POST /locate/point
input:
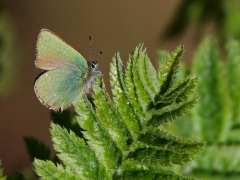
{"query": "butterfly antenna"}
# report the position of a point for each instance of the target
(98, 55)
(90, 47)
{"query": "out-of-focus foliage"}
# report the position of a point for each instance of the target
(231, 19)
(125, 139)
(216, 118)
(224, 14)
(1, 172)
(39, 150)
(233, 80)
(6, 55)
(213, 109)
(16, 176)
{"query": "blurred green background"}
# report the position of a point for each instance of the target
(114, 25)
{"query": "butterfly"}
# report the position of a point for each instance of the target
(66, 74)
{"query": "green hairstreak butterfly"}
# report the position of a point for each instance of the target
(66, 74)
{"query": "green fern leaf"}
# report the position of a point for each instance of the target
(147, 74)
(110, 119)
(48, 171)
(119, 91)
(136, 170)
(122, 138)
(172, 112)
(161, 139)
(99, 139)
(157, 147)
(74, 153)
(138, 97)
(179, 92)
(168, 69)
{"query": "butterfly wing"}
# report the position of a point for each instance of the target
(63, 81)
(52, 52)
(59, 87)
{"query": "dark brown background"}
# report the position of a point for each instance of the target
(114, 25)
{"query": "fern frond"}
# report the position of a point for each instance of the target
(121, 98)
(123, 136)
(172, 112)
(135, 170)
(168, 68)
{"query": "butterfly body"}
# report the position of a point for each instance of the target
(66, 73)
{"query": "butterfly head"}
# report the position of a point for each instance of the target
(94, 65)
(93, 68)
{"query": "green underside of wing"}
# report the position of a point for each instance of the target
(59, 87)
(53, 52)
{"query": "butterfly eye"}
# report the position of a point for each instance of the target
(92, 65)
